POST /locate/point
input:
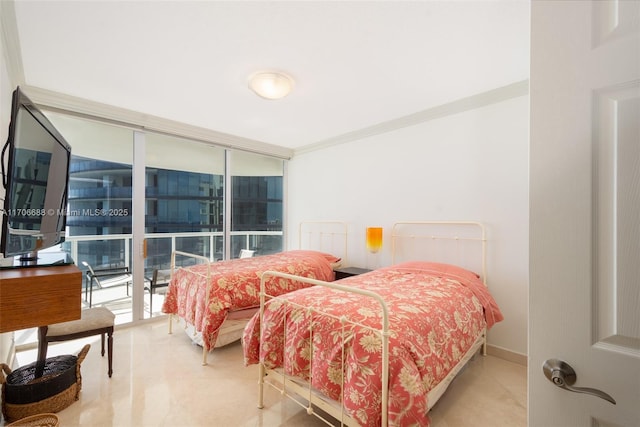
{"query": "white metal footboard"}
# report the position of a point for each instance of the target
(304, 389)
(207, 277)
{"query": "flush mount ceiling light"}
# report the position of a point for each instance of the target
(271, 84)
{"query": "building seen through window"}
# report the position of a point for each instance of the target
(176, 202)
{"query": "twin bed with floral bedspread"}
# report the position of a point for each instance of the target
(393, 338)
(236, 285)
(215, 300)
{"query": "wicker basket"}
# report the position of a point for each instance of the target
(23, 395)
(39, 420)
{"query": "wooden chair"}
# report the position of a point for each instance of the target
(93, 321)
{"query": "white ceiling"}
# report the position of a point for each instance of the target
(356, 64)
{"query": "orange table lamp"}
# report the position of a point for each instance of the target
(374, 239)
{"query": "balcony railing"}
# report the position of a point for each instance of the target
(115, 249)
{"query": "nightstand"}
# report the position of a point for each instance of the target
(341, 273)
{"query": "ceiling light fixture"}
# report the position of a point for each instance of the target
(271, 84)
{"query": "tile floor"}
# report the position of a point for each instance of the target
(158, 380)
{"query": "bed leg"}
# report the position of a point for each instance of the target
(484, 345)
(204, 355)
(170, 323)
(261, 387)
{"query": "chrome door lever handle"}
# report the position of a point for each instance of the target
(563, 375)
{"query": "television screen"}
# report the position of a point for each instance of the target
(36, 178)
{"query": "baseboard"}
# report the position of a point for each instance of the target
(511, 356)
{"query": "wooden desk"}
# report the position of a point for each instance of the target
(39, 296)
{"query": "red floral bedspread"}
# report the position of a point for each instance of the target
(236, 285)
(436, 313)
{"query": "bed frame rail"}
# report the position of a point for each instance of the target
(306, 390)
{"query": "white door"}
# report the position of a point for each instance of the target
(585, 211)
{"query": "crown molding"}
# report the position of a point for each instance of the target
(472, 102)
(139, 121)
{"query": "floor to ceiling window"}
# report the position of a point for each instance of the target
(256, 203)
(198, 198)
(99, 214)
(184, 205)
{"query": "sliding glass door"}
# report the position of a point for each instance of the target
(197, 198)
(184, 207)
(99, 215)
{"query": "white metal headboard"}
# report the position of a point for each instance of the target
(461, 243)
(324, 236)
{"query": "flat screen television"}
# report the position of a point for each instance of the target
(35, 174)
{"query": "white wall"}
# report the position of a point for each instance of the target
(471, 165)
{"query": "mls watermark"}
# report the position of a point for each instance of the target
(24, 212)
